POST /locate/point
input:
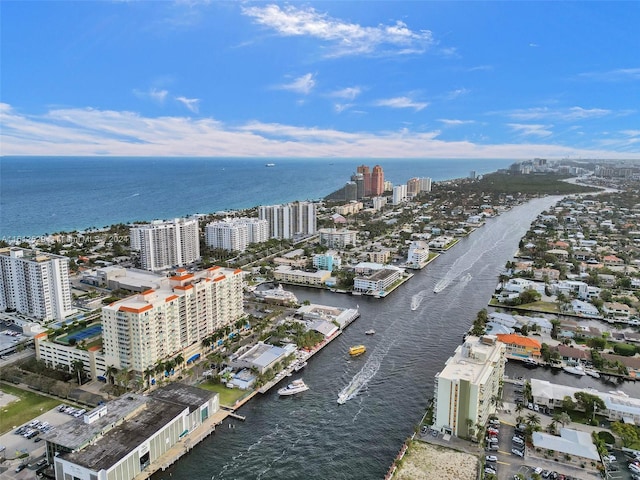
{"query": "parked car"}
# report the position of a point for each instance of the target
(491, 458)
(490, 470)
(492, 440)
(610, 458)
(517, 440)
(517, 452)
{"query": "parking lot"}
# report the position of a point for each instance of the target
(16, 444)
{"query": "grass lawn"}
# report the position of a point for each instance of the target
(550, 307)
(228, 396)
(29, 406)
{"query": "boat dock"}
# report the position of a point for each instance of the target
(284, 373)
(184, 445)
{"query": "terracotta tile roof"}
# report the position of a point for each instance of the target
(515, 339)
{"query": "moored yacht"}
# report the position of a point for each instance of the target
(575, 370)
(294, 387)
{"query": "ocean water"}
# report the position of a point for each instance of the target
(43, 195)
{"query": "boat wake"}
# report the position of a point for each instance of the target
(417, 299)
(366, 373)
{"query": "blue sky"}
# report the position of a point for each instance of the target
(321, 79)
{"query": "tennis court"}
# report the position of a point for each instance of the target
(83, 334)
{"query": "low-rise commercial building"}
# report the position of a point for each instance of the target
(286, 274)
(117, 441)
(378, 281)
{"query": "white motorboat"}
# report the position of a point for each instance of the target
(297, 386)
(592, 373)
(370, 332)
(299, 366)
(575, 370)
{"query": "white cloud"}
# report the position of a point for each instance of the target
(303, 84)
(631, 133)
(349, 93)
(191, 103)
(480, 68)
(566, 114)
(532, 129)
(401, 102)
(345, 38)
(617, 75)
(454, 123)
(87, 131)
(534, 45)
(453, 94)
(341, 107)
(153, 94)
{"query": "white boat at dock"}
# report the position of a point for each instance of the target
(299, 366)
(592, 373)
(297, 386)
(575, 370)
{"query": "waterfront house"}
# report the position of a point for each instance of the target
(520, 347)
(571, 354)
(617, 310)
(584, 309)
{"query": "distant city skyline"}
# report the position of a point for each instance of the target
(321, 79)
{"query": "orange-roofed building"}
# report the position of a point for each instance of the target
(519, 346)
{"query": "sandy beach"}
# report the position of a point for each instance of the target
(426, 461)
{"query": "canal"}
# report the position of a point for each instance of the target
(310, 435)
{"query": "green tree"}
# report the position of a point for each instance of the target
(627, 432)
(589, 403)
(568, 404)
(563, 418)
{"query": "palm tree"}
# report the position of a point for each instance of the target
(533, 421)
(469, 423)
(159, 368)
(519, 407)
(110, 373)
(77, 367)
(563, 417)
(147, 373)
(179, 360)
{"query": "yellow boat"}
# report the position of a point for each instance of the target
(357, 350)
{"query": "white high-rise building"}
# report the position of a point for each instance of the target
(35, 283)
(226, 235)
(166, 244)
(235, 234)
(425, 184)
(290, 220)
(467, 386)
(142, 330)
(399, 194)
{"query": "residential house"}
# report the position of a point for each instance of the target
(546, 274)
(617, 310)
(520, 347)
(571, 354)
